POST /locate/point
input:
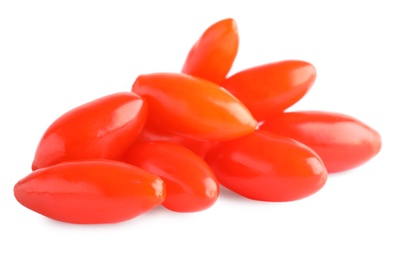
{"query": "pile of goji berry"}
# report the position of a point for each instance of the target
(174, 138)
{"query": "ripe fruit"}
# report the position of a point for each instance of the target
(90, 192)
(211, 57)
(193, 107)
(191, 185)
(101, 129)
(269, 89)
(343, 142)
(267, 167)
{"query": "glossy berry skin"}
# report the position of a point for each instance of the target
(269, 89)
(343, 142)
(212, 56)
(193, 107)
(191, 185)
(101, 129)
(263, 166)
(153, 133)
(90, 192)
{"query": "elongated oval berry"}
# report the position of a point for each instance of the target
(269, 89)
(212, 56)
(267, 167)
(90, 192)
(101, 129)
(193, 107)
(343, 142)
(191, 185)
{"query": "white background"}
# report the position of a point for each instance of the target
(55, 56)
